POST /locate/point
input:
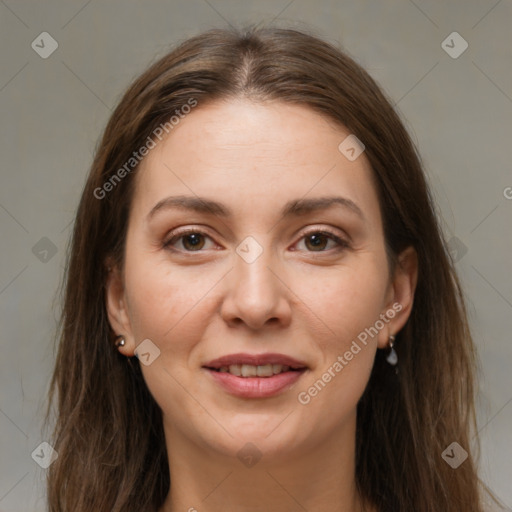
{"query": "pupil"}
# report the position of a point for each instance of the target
(193, 240)
(316, 240)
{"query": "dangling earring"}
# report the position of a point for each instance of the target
(120, 341)
(392, 357)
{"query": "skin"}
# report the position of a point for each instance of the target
(306, 301)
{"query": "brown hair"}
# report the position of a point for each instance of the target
(108, 431)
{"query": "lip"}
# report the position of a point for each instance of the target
(256, 360)
(256, 387)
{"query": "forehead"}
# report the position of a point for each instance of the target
(254, 157)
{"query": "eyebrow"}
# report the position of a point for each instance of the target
(295, 207)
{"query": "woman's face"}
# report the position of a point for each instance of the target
(259, 273)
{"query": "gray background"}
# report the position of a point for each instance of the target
(458, 111)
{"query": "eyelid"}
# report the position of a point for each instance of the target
(178, 233)
(341, 241)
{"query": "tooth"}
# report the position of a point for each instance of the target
(264, 371)
(235, 369)
(276, 368)
(248, 370)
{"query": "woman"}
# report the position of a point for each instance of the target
(260, 310)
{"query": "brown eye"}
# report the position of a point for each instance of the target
(191, 241)
(318, 241)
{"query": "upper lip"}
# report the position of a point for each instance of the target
(256, 360)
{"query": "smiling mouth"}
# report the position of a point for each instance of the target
(251, 381)
(249, 370)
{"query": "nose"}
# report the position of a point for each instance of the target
(256, 294)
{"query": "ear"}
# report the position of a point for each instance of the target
(117, 309)
(400, 295)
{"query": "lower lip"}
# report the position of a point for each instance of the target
(255, 387)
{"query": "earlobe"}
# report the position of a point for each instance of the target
(402, 292)
(117, 312)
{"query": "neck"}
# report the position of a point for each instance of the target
(313, 478)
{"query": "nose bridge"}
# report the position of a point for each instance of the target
(254, 278)
(255, 294)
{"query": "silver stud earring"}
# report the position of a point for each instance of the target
(120, 341)
(392, 357)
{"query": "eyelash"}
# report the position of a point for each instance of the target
(342, 244)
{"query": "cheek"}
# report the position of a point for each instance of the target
(166, 305)
(343, 300)
(348, 300)
(160, 296)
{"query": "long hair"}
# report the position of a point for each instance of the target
(108, 430)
